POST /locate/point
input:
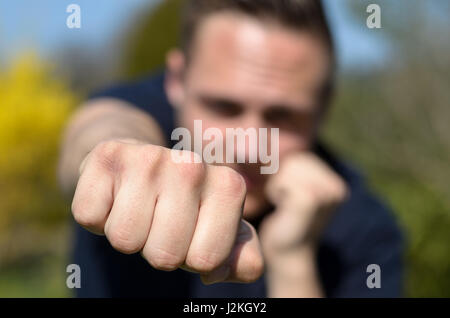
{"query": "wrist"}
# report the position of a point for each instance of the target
(294, 274)
(293, 262)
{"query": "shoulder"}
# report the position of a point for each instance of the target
(147, 94)
(135, 92)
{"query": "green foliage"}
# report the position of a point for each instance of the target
(40, 275)
(401, 162)
(155, 33)
(397, 122)
(33, 110)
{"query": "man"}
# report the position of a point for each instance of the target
(154, 227)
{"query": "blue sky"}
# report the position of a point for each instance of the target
(42, 25)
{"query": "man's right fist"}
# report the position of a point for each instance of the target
(178, 215)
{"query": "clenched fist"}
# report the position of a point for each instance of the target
(306, 192)
(177, 215)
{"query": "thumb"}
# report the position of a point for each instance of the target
(245, 263)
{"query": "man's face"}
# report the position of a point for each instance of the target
(247, 73)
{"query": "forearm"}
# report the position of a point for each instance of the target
(99, 121)
(294, 276)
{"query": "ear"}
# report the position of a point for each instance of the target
(176, 64)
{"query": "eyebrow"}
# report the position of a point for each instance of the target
(291, 108)
(297, 108)
(222, 100)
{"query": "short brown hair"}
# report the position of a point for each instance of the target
(305, 15)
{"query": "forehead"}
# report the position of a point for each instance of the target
(256, 61)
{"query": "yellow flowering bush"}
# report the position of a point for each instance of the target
(34, 106)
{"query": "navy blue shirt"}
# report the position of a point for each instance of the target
(361, 232)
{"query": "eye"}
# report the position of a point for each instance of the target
(285, 118)
(222, 107)
(277, 115)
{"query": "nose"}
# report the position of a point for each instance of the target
(251, 124)
(253, 120)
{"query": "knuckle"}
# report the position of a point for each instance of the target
(107, 152)
(83, 215)
(108, 148)
(163, 259)
(122, 240)
(203, 262)
(343, 191)
(339, 191)
(152, 154)
(191, 172)
(232, 182)
(149, 158)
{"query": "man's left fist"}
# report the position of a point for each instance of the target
(305, 192)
